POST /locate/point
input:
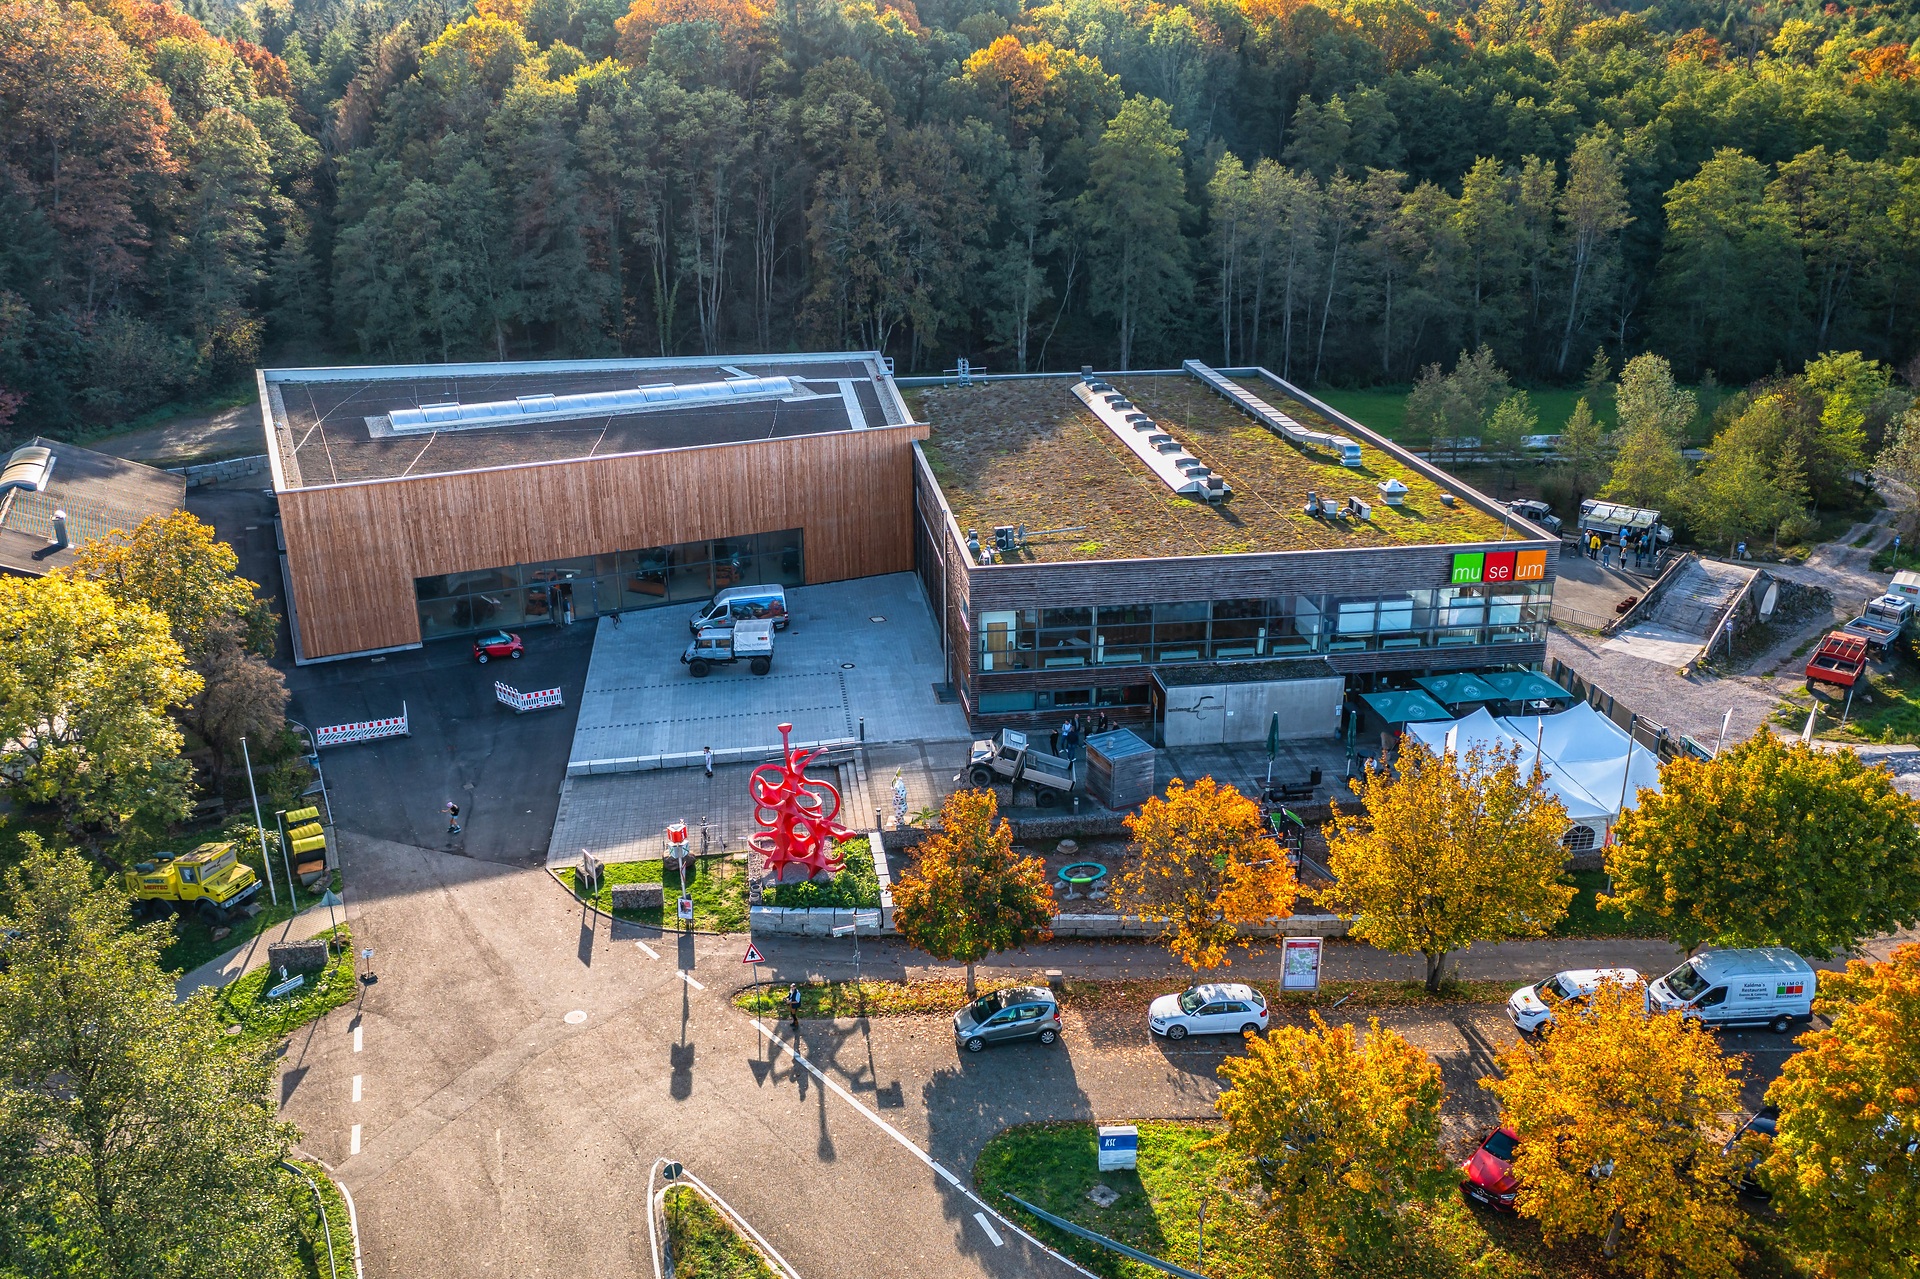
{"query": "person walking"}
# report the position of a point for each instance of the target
(706, 753)
(452, 810)
(793, 1005)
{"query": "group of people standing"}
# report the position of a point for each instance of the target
(1643, 548)
(1073, 732)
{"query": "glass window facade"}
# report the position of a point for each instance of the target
(528, 594)
(1047, 639)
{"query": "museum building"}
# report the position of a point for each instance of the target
(1195, 546)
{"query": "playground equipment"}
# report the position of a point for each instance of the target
(795, 814)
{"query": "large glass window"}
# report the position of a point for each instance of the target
(1066, 637)
(1125, 635)
(528, 594)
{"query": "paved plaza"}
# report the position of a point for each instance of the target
(864, 649)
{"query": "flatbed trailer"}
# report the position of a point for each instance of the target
(1840, 659)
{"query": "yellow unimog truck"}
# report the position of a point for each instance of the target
(210, 881)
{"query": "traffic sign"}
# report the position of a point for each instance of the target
(753, 955)
(841, 930)
(686, 908)
(867, 918)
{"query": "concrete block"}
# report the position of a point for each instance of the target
(297, 956)
(638, 896)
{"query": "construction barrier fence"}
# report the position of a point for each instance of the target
(364, 731)
(507, 695)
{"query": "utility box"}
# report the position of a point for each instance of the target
(1119, 1148)
(1119, 769)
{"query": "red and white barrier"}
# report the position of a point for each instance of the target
(507, 695)
(364, 731)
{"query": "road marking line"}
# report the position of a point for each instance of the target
(356, 1039)
(353, 1147)
(917, 1153)
(650, 951)
(687, 977)
(987, 1226)
(356, 1088)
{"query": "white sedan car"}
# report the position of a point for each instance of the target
(1224, 1008)
(1529, 1009)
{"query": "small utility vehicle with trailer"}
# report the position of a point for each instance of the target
(749, 642)
(210, 881)
(1008, 757)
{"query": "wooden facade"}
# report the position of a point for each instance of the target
(354, 550)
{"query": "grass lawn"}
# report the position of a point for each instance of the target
(704, 1244)
(313, 1239)
(718, 888)
(1586, 919)
(1385, 409)
(243, 1003)
(1053, 1166)
(193, 943)
(901, 999)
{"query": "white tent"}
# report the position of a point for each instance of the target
(1582, 753)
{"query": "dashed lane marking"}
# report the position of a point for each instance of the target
(914, 1150)
(353, 1142)
(356, 1039)
(687, 977)
(356, 1088)
(649, 951)
(987, 1226)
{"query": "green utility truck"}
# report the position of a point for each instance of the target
(210, 881)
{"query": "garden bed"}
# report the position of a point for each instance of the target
(254, 1020)
(717, 884)
(704, 1244)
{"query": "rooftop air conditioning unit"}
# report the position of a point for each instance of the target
(1392, 492)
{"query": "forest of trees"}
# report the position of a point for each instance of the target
(1343, 190)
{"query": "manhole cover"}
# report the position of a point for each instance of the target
(1103, 1196)
(576, 1017)
(846, 666)
(876, 619)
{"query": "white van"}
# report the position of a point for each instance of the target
(1772, 987)
(743, 604)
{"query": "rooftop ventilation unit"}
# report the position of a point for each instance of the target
(1182, 472)
(1273, 419)
(528, 409)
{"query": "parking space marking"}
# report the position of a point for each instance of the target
(356, 1088)
(687, 977)
(987, 1226)
(353, 1142)
(356, 1039)
(912, 1149)
(651, 953)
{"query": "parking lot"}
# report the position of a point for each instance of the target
(853, 651)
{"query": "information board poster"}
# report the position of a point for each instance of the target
(1300, 968)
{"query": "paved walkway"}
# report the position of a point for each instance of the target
(252, 953)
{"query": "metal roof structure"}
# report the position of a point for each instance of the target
(96, 492)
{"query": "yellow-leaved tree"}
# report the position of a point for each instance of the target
(1845, 1164)
(1340, 1132)
(1442, 853)
(1203, 867)
(1620, 1119)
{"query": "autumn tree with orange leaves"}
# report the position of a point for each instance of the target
(1204, 867)
(1845, 1163)
(969, 894)
(1621, 1123)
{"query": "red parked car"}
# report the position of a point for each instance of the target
(498, 644)
(1487, 1176)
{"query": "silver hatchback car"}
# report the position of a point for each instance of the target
(1018, 1012)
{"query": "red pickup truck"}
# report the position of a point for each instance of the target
(1839, 660)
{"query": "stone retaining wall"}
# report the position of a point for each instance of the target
(234, 468)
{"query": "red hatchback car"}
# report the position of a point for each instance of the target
(498, 644)
(1487, 1176)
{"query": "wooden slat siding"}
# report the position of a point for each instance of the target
(353, 550)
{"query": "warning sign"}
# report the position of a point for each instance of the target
(753, 955)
